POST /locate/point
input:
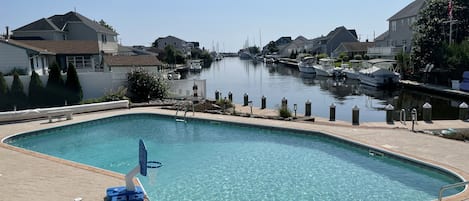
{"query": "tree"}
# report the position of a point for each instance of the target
(4, 92)
(36, 91)
(144, 86)
(55, 86)
(403, 63)
(106, 25)
(173, 55)
(17, 95)
(73, 86)
(432, 31)
(272, 47)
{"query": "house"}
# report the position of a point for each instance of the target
(125, 64)
(71, 26)
(352, 48)
(179, 44)
(400, 33)
(20, 56)
(327, 44)
(84, 55)
(298, 45)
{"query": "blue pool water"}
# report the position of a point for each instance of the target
(205, 160)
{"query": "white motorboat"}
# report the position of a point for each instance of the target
(380, 74)
(195, 65)
(325, 67)
(173, 75)
(352, 72)
(307, 65)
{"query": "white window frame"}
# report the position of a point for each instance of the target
(80, 62)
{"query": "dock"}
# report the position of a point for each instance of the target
(435, 89)
(289, 62)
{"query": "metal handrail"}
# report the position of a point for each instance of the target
(402, 116)
(450, 186)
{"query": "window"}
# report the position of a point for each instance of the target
(80, 62)
(103, 38)
(393, 26)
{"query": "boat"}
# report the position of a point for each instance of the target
(195, 65)
(307, 65)
(352, 72)
(245, 55)
(464, 85)
(173, 75)
(325, 67)
(380, 74)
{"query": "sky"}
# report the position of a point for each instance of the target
(228, 23)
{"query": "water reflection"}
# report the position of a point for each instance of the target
(276, 81)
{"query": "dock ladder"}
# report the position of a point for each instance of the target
(450, 186)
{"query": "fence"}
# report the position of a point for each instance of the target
(96, 84)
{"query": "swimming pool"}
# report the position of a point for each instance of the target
(206, 160)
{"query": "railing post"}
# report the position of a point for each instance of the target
(356, 116)
(308, 108)
(332, 112)
(389, 114)
(263, 102)
(463, 108)
(427, 112)
(246, 99)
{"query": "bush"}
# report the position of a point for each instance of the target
(117, 95)
(224, 103)
(17, 95)
(4, 101)
(73, 88)
(144, 86)
(55, 89)
(36, 91)
(284, 112)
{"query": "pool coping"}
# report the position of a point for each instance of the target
(238, 120)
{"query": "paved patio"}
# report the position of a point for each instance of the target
(25, 175)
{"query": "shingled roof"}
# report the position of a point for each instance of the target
(65, 46)
(58, 23)
(410, 10)
(20, 44)
(137, 61)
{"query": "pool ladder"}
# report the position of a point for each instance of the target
(450, 186)
(181, 119)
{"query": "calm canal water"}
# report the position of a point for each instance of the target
(276, 81)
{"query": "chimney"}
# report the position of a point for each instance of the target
(7, 34)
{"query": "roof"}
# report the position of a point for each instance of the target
(410, 10)
(125, 61)
(383, 36)
(65, 46)
(26, 46)
(58, 22)
(170, 37)
(43, 24)
(357, 46)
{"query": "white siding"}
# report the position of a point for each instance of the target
(13, 57)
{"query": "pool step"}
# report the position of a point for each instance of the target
(375, 153)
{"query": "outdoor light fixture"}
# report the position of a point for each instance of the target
(250, 105)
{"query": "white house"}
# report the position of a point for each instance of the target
(20, 56)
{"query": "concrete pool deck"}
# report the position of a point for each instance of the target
(26, 175)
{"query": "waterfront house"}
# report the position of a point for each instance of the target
(71, 26)
(352, 48)
(327, 44)
(84, 55)
(23, 57)
(179, 44)
(125, 64)
(400, 33)
(298, 45)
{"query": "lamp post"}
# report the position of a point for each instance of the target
(295, 107)
(250, 105)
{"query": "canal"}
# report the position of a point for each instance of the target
(275, 81)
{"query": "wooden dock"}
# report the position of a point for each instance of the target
(289, 62)
(432, 88)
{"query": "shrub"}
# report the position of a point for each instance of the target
(36, 91)
(17, 95)
(55, 86)
(284, 112)
(74, 92)
(112, 95)
(144, 86)
(4, 103)
(224, 103)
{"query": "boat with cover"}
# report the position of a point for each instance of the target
(307, 65)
